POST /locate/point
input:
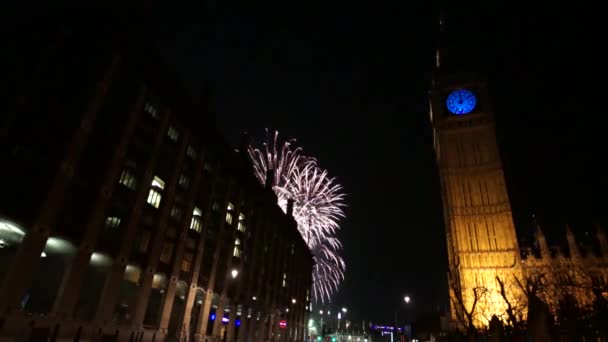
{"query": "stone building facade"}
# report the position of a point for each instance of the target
(125, 216)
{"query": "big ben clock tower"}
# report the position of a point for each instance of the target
(481, 239)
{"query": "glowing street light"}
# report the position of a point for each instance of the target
(234, 273)
(344, 310)
(320, 312)
(406, 299)
(293, 300)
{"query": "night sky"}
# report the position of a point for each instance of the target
(349, 81)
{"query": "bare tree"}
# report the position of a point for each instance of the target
(511, 310)
(466, 316)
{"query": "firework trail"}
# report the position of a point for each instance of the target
(318, 202)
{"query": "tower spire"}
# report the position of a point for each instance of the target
(542, 243)
(574, 252)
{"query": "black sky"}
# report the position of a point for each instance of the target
(349, 81)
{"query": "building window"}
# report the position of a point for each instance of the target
(237, 248)
(127, 178)
(173, 133)
(176, 212)
(144, 241)
(187, 262)
(183, 181)
(229, 211)
(151, 109)
(112, 222)
(197, 221)
(284, 279)
(156, 191)
(191, 152)
(166, 253)
(241, 225)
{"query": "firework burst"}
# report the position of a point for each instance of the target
(318, 203)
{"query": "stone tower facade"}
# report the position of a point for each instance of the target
(488, 274)
(481, 238)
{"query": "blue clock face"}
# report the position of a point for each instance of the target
(461, 101)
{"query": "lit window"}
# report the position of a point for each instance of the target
(191, 152)
(183, 180)
(197, 222)
(155, 194)
(127, 178)
(187, 262)
(229, 217)
(284, 279)
(241, 225)
(173, 133)
(150, 109)
(159, 183)
(229, 211)
(237, 248)
(165, 255)
(112, 222)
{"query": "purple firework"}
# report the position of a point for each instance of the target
(318, 206)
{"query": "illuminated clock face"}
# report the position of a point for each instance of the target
(461, 101)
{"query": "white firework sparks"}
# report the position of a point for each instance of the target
(318, 202)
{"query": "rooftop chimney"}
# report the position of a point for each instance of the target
(290, 207)
(269, 179)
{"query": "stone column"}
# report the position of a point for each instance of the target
(67, 296)
(19, 275)
(244, 328)
(143, 295)
(186, 316)
(254, 332)
(198, 260)
(219, 314)
(203, 318)
(167, 307)
(109, 294)
(232, 323)
(271, 327)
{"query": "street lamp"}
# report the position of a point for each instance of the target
(406, 299)
(344, 310)
(293, 300)
(234, 273)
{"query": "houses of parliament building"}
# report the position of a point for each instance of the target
(489, 273)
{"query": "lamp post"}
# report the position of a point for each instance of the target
(344, 310)
(407, 301)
